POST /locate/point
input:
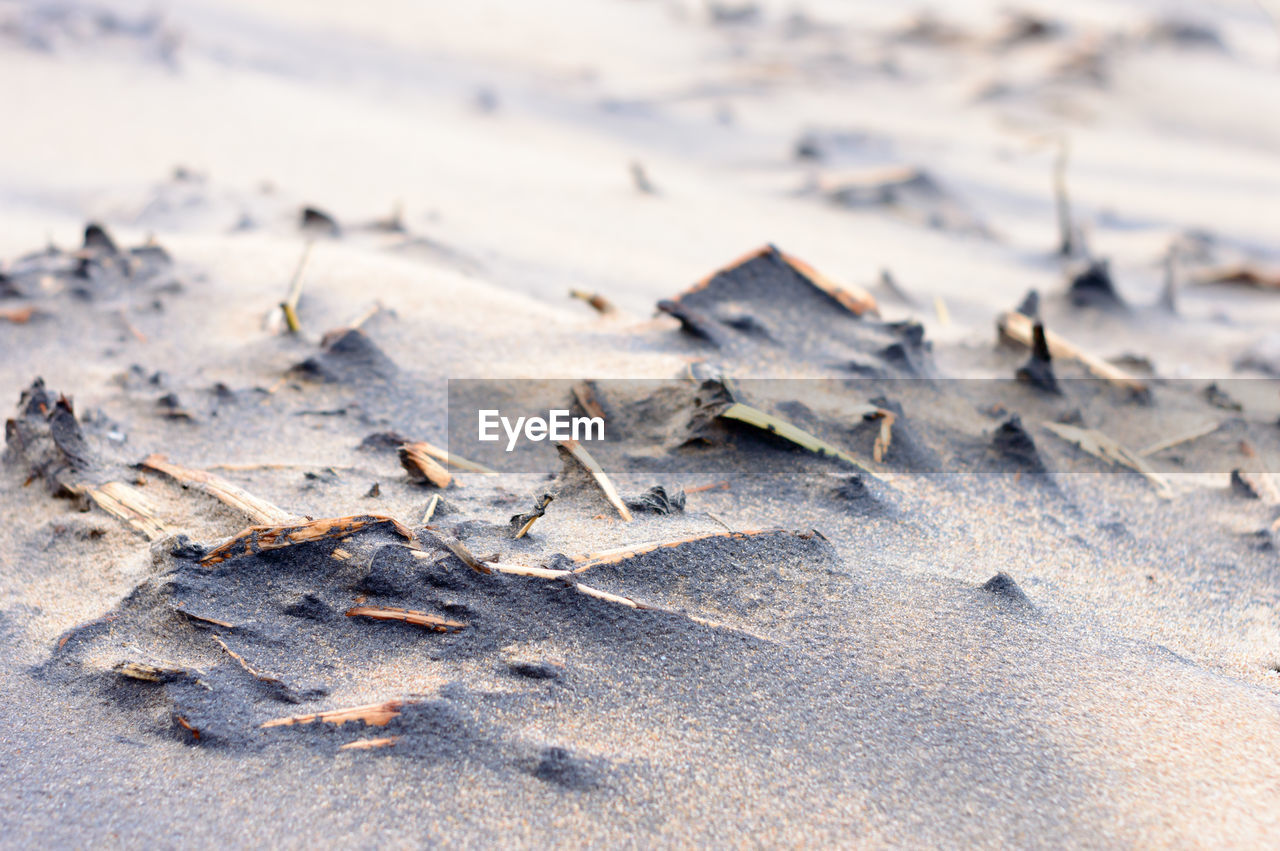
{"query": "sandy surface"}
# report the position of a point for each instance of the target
(853, 679)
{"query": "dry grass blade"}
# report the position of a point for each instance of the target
(370, 744)
(1021, 329)
(422, 468)
(579, 453)
(791, 433)
(1203, 431)
(258, 539)
(130, 505)
(290, 304)
(589, 560)
(409, 616)
(244, 663)
(448, 458)
(1101, 446)
(372, 714)
(257, 510)
(608, 597)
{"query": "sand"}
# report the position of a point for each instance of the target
(987, 636)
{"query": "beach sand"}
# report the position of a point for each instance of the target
(979, 634)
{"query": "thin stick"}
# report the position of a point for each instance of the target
(290, 304)
(369, 744)
(431, 509)
(373, 714)
(257, 510)
(580, 454)
(1021, 329)
(1204, 431)
(409, 616)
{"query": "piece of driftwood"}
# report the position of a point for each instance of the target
(259, 539)
(576, 451)
(409, 616)
(1101, 446)
(372, 714)
(128, 504)
(1019, 328)
(230, 494)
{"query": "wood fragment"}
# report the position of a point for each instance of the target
(448, 458)
(228, 493)
(422, 468)
(524, 522)
(575, 450)
(599, 302)
(1101, 446)
(464, 554)
(409, 616)
(432, 505)
(372, 714)
(584, 394)
(128, 504)
(259, 539)
(149, 673)
(1021, 329)
(714, 486)
(369, 744)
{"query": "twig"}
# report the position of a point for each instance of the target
(257, 510)
(290, 304)
(1203, 431)
(1021, 329)
(714, 486)
(589, 560)
(579, 453)
(244, 663)
(422, 468)
(432, 505)
(409, 616)
(1101, 446)
(372, 714)
(368, 744)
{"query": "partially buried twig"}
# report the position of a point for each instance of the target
(1101, 446)
(1021, 329)
(575, 450)
(372, 714)
(422, 468)
(290, 305)
(448, 458)
(257, 510)
(409, 616)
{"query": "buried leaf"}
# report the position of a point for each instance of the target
(409, 616)
(1101, 446)
(372, 714)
